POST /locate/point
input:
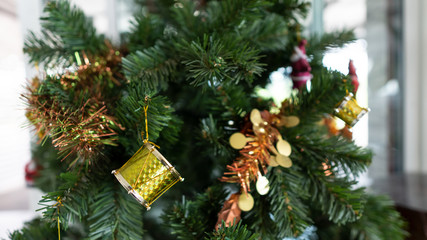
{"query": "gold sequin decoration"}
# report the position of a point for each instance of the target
(147, 175)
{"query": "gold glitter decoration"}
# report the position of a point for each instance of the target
(260, 145)
(147, 175)
(349, 110)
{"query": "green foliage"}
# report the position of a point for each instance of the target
(46, 49)
(69, 202)
(146, 30)
(328, 88)
(229, 14)
(287, 205)
(192, 219)
(38, 229)
(212, 62)
(161, 119)
(293, 10)
(101, 203)
(65, 30)
(176, 49)
(341, 154)
(46, 157)
(215, 138)
(235, 232)
(232, 102)
(115, 215)
(151, 66)
(283, 212)
(337, 199)
(267, 34)
(35, 229)
(379, 221)
(319, 44)
(185, 22)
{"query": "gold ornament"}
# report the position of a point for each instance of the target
(147, 175)
(288, 121)
(258, 124)
(272, 161)
(284, 161)
(283, 147)
(349, 110)
(245, 202)
(238, 140)
(262, 184)
(261, 145)
(255, 117)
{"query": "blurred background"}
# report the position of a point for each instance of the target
(389, 57)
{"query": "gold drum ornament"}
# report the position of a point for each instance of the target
(349, 110)
(147, 175)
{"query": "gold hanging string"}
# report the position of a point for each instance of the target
(57, 205)
(146, 123)
(145, 141)
(59, 229)
(36, 65)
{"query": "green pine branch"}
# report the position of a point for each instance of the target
(114, 214)
(69, 202)
(259, 219)
(284, 211)
(335, 197)
(153, 67)
(235, 232)
(229, 14)
(161, 118)
(379, 221)
(34, 230)
(292, 10)
(46, 48)
(267, 34)
(338, 152)
(46, 157)
(193, 219)
(211, 62)
(185, 22)
(287, 195)
(204, 61)
(232, 101)
(213, 139)
(318, 45)
(146, 30)
(328, 88)
(67, 30)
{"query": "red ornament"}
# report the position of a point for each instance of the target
(301, 69)
(353, 76)
(31, 172)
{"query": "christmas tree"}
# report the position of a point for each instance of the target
(179, 98)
